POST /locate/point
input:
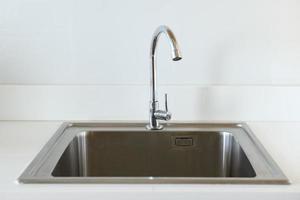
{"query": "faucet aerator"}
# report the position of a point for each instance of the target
(177, 58)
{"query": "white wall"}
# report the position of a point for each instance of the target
(89, 59)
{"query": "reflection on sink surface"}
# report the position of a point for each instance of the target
(158, 154)
(128, 153)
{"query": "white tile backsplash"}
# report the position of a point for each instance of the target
(89, 59)
(246, 103)
(230, 42)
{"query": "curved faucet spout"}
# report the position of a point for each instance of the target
(155, 113)
(176, 55)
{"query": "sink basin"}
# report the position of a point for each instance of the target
(128, 153)
(159, 154)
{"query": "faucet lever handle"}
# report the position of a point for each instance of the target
(166, 102)
(163, 114)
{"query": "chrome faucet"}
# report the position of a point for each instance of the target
(155, 113)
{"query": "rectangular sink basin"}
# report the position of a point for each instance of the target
(159, 154)
(128, 153)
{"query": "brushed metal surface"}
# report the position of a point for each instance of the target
(128, 153)
(118, 153)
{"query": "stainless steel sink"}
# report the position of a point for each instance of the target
(128, 153)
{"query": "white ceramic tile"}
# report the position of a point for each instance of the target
(252, 103)
(107, 42)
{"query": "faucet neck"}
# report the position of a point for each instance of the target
(155, 113)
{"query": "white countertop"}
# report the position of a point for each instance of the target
(22, 140)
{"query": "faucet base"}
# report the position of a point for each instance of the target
(159, 127)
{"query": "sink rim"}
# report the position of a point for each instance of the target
(41, 167)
